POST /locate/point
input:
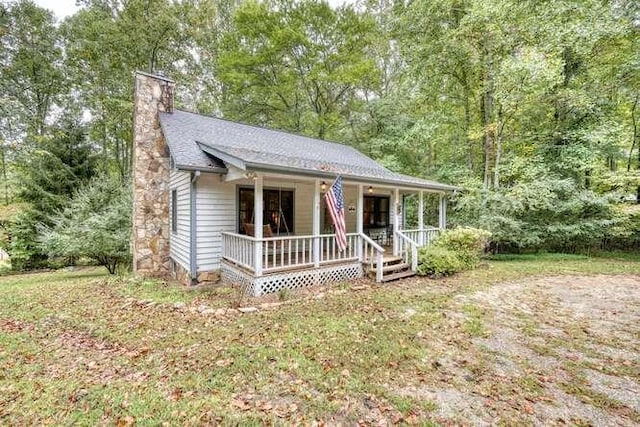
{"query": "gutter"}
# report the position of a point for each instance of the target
(211, 169)
(319, 174)
(193, 232)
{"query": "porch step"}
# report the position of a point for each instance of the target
(396, 276)
(388, 260)
(393, 268)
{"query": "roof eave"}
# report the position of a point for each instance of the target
(210, 169)
(259, 167)
(227, 158)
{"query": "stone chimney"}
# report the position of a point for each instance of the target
(150, 176)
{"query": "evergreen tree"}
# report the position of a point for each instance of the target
(48, 174)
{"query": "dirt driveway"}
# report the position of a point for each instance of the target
(555, 350)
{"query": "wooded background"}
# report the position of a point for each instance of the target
(531, 106)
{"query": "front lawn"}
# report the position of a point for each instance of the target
(520, 340)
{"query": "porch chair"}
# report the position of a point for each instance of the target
(266, 233)
(250, 229)
(374, 235)
(389, 234)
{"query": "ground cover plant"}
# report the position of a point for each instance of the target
(524, 339)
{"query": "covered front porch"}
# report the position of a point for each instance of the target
(296, 246)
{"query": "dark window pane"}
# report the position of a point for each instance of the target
(174, 210)
(278, 209)
(376, 211)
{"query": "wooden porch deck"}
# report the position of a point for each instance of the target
(294, 261)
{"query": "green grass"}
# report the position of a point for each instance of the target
(473, 324)
(80, 347)
(553, 257)
(539, 257)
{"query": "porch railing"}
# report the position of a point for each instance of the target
(281, 253)
(293, 252)
(372, 254)
(329, 248)
(239, 249)
(407, 249)
(287, 252)
(422, 237)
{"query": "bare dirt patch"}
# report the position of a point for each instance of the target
(570, 343)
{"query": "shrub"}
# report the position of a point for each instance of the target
(625, 234)
(453, 251)
(436, 261)
(96, 225)
(24, 248)
(541, 213)
(468, 243)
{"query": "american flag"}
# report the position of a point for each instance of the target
(335, 203)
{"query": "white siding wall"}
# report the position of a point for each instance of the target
(179, 241)
(350, 193)
(216, 212)
(303, 209)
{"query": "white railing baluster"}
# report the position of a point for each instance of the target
(408, 247)
(422, 237)
(281, 253)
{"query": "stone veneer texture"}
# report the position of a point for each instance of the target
(150, 177)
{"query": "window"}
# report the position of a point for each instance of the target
(174, 211)
(278, 209)
(376, 211)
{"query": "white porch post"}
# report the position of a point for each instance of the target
(257, 222)
(442, 219)
(396, 219)
(421, 218)
(316, 223)
(360, 218)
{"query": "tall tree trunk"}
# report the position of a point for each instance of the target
(498, 154)
(467, 126)
(487, 115)
(634, 137)
(488, 145)
(635, 141)
(4, 174)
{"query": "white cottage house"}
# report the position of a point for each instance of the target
(219, 199)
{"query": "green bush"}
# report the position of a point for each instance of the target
(24, 248)
(625, 233)
(537, 213)
(468, 243)
(453, 251)
(96, 225)
(436, 261)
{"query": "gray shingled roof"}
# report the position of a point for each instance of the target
(206, 143)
